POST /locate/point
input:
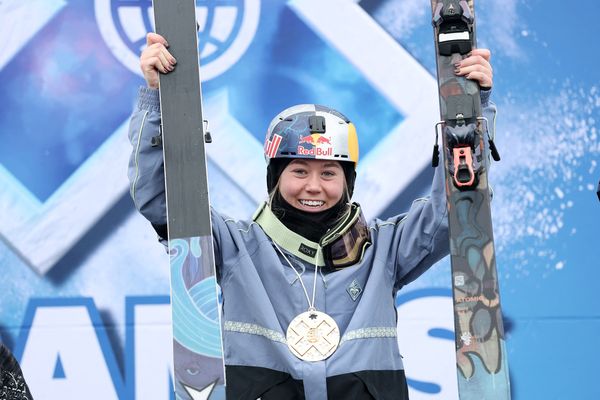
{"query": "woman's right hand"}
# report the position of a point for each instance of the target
(155, 58)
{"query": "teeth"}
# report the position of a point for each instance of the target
(312, 203)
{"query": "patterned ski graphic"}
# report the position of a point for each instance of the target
(482, 366)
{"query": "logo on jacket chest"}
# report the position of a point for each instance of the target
(354, 290)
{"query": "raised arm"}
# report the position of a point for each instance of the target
(146, 171)
(422, 234)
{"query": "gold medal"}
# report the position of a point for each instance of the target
(313, 336)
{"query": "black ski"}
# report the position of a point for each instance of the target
(197, 341)
(480, 343)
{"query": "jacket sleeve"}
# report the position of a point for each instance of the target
(146, 168)
(146, 172)
(422, 235)
(489, 112)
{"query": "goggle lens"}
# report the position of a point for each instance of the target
(351, 242)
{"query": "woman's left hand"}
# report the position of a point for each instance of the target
(477, 67)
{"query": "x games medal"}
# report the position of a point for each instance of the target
(313, 336)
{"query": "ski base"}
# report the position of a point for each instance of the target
(197, 346)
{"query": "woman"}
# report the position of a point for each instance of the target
(308, 257)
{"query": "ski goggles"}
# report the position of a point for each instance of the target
(345, 244)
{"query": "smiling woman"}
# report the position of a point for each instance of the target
(307, 277)
(312, 185)
(312, 154)
(307, 285)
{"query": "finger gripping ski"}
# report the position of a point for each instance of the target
(482, 366)
(197, 343)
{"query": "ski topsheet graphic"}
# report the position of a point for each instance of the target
(482, 366)
(197, 343)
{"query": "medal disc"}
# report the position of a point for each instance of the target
(313, 336)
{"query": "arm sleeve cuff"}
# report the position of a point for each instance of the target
(148, 99)
(484, 94)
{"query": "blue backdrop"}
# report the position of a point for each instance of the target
(84, 289)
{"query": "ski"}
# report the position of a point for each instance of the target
(481, 361)
(197, 341)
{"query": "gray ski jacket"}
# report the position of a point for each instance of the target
(262, 294)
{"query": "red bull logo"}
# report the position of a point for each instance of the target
(322, 139)
(306, 139)
(319, 145)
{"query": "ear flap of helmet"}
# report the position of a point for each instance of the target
(350, 174)
(274, 170)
